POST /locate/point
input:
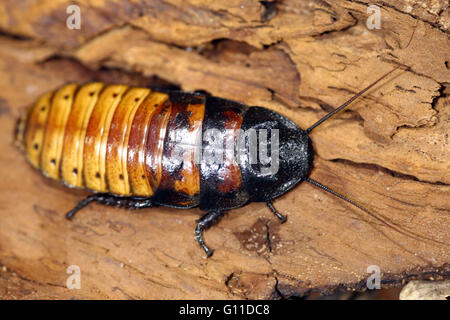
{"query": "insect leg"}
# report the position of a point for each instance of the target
(275, 212)
(204, 223)
(81, 205)
(111, 200)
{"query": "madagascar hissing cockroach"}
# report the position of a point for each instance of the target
(139, 148)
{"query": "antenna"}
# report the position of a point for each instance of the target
(349, 101)
(321, 186)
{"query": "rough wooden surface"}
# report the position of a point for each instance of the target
(390, 151)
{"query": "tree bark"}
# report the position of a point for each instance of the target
(390, 151)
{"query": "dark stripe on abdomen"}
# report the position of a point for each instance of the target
(180, 180)
(221, 182)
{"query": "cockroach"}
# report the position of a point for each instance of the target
(138, 148)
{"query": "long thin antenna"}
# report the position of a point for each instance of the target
(321, 186)
(349, 101)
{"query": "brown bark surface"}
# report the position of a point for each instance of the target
(390, 151)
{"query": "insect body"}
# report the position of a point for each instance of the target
(139, 148)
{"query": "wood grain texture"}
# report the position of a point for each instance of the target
(389, 150)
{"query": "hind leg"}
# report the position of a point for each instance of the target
(111, 200)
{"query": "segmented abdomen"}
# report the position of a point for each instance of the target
(119, 140)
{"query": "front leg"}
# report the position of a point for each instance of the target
(203, 224)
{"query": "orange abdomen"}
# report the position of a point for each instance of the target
(117, 139)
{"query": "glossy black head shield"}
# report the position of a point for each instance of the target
(272, 153)
(281, 157)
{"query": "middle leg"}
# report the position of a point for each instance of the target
(203, 224)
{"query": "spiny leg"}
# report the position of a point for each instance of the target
(203, 224)
(111, 200)
(81, 205)
(282, 218)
